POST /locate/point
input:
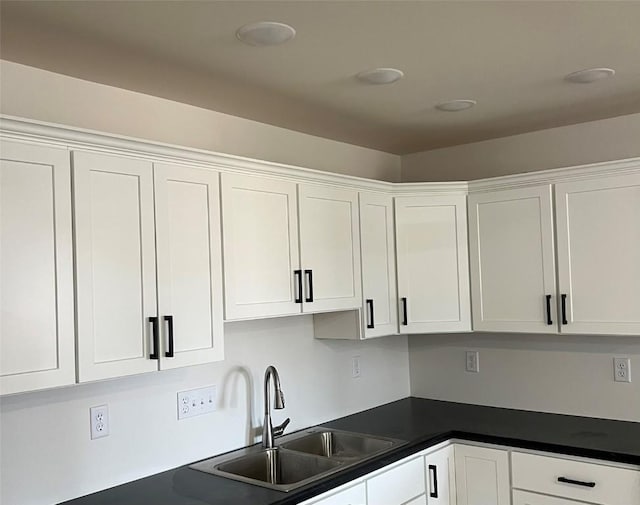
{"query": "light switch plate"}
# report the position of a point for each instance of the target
(196, 402)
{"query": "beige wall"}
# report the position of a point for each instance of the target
(561, 374)
(38, 94)
(604, 140)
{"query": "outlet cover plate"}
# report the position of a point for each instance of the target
(196, 402)
(99, 417)
(473, 361)
(622, 369)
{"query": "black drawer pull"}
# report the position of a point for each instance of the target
(169, 353)
(549, 321)
(563, 298)
(370, 323)
(433, 473)
(405, 320)
(309, 274)
(297, 276)
(156, 338)
(565, 480)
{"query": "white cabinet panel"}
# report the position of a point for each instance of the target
(524, 498)
(354, 495)
(440, 477)
(115, 265)
(398, 485)
(433, 274)
(378, 265)
(420, 500)
(512, 260)
(260, 226)
(577, 480)
(329, 248)
(598, 224)
(36, 270)
(482, 476)
(189, 265)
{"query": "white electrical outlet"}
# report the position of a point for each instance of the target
(196, 402)
(355, 367)
(99, 417)
(622, 369)
(473, 361)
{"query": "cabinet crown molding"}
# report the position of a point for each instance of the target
(30, 130)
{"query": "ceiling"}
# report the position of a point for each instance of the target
(510, 56)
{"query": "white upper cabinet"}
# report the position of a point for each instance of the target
(598, 226)
(377, 245)
(36, 269)
(120, 329)
(261, 249)
(512, 260)
(115, 265)
(329, 248)
(189, 252)
(433, 274)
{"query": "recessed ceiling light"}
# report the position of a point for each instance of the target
(590, 75)
(265, 33)
(381, 76)
(455, 105)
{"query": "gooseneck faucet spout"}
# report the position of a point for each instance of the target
(268, 431)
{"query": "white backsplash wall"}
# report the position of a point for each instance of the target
(47, 455)
(561, 374)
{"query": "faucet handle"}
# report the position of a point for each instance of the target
(279, 430)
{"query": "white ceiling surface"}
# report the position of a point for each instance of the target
(509, 56)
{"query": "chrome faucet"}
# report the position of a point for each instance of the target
(268, 431)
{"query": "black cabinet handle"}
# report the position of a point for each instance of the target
(297, 276)
(564, 308)
(370, 324)
(309, 274)
(549, 321)
(156, 338)
(405, 321)
(565, 480)
(169, 320)
(433, 472)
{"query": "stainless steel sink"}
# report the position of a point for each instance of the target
(339, 445)
(299, 459)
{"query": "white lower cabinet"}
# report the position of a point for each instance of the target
(441, 477)
(584, 481)
(352, 495)
(482, 476)
(525, 498)
(36, 270)
(402, 483)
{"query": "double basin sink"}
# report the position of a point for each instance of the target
(298, 459)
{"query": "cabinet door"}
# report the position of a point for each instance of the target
(36, 269)
(433, 273)
(189, 256)
(377, 247)
(329, 248)
(525, 498)
(354, 495)
(398, 485)
(261, 255)
(512, 260)
(598, 224)
(115, 265)
(482, 476)
(441, 480)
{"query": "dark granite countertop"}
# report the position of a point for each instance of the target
(423, 423)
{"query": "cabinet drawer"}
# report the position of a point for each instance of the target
(601, 484)
(398, 485)
(355, 495)
(420, 500)
(526, 498)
